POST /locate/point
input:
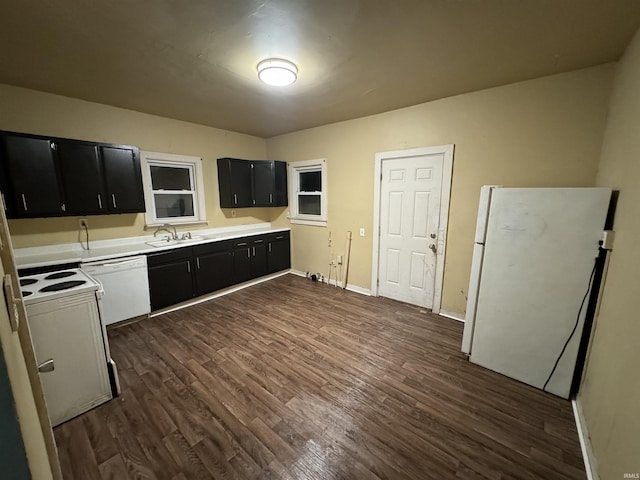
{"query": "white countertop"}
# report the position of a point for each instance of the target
(107, 249)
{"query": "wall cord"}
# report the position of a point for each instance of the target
(575, 326)
(86, 229)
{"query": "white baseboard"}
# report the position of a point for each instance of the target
(590, 464)
(455, 316)
(350, 287)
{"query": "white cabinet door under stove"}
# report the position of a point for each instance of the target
(68, 330)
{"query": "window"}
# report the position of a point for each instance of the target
(308, 187)
(173, 188)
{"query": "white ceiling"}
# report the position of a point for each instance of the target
(195, 60)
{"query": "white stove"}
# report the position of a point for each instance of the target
(52, 285)
(64, 314)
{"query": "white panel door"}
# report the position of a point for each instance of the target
(409, 217)
(539, 252)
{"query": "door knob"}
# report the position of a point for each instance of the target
(433, 248)
(433, 235)
(46, 366)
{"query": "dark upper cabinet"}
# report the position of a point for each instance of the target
(280, 172)
(82, 177)
(234, 181)
(252, 183)
(123, 179)
(48, 177)
(263, 183)
(278, 252)
(31, 184)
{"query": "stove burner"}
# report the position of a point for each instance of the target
(57, 275)
(26, 294)
(27, 281)
(62, 286)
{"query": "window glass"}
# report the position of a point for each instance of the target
(170, 178)
(311, 181)
(309, 205)
(173, 205)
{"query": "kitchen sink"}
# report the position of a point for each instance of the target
(168, 242)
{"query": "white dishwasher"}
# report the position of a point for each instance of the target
(126, 287)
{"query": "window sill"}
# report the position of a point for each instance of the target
(314, 223)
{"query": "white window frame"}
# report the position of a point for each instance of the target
(294, 191)
(194, 164)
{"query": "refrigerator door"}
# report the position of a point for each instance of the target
(540, 249)
(472, 297)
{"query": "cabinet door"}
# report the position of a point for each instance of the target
(81, 177)
(123, 179)
(258, 260)
(170, 283)
(264, 185)
(242, 262)
(214, 271)
(234, 183)
(278, 253)
(281, 197)
(35, 185)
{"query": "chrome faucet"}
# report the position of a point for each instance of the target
(165, 228)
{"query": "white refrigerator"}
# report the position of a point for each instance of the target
(534, 255)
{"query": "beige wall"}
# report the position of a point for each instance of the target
(41, 113)
(610, 394)
(545, 132)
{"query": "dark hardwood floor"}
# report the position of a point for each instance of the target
(291, 379)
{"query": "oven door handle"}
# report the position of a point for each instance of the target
(112, 264)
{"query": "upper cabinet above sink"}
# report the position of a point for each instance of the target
(50, 177)
(252, 183)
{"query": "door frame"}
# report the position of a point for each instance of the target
(445, 197)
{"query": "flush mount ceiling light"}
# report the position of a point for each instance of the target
(277, 72)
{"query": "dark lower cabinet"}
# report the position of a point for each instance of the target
(170, 277)
(278, 252)
(214, 267)
(181, 274)
(250, 258)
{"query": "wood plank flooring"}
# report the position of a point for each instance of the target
(292, 379)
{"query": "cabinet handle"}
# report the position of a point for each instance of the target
(64, 207)
(235, 199)
(269, 248)
(198, 262)
(244, 244)
(53, 146)
(258, 241)
(189, 267)
(113, 199)
(280, 237)
(99, 202)
(248, 253)
(254, 201)
(254, 251)
(24, 202)
(271, 198)
(46, 366)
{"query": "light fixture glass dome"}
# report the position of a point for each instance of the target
(277, 72)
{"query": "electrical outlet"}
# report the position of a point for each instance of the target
(339, 259)
(83, 222)
(233, 213)
(362, 232)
